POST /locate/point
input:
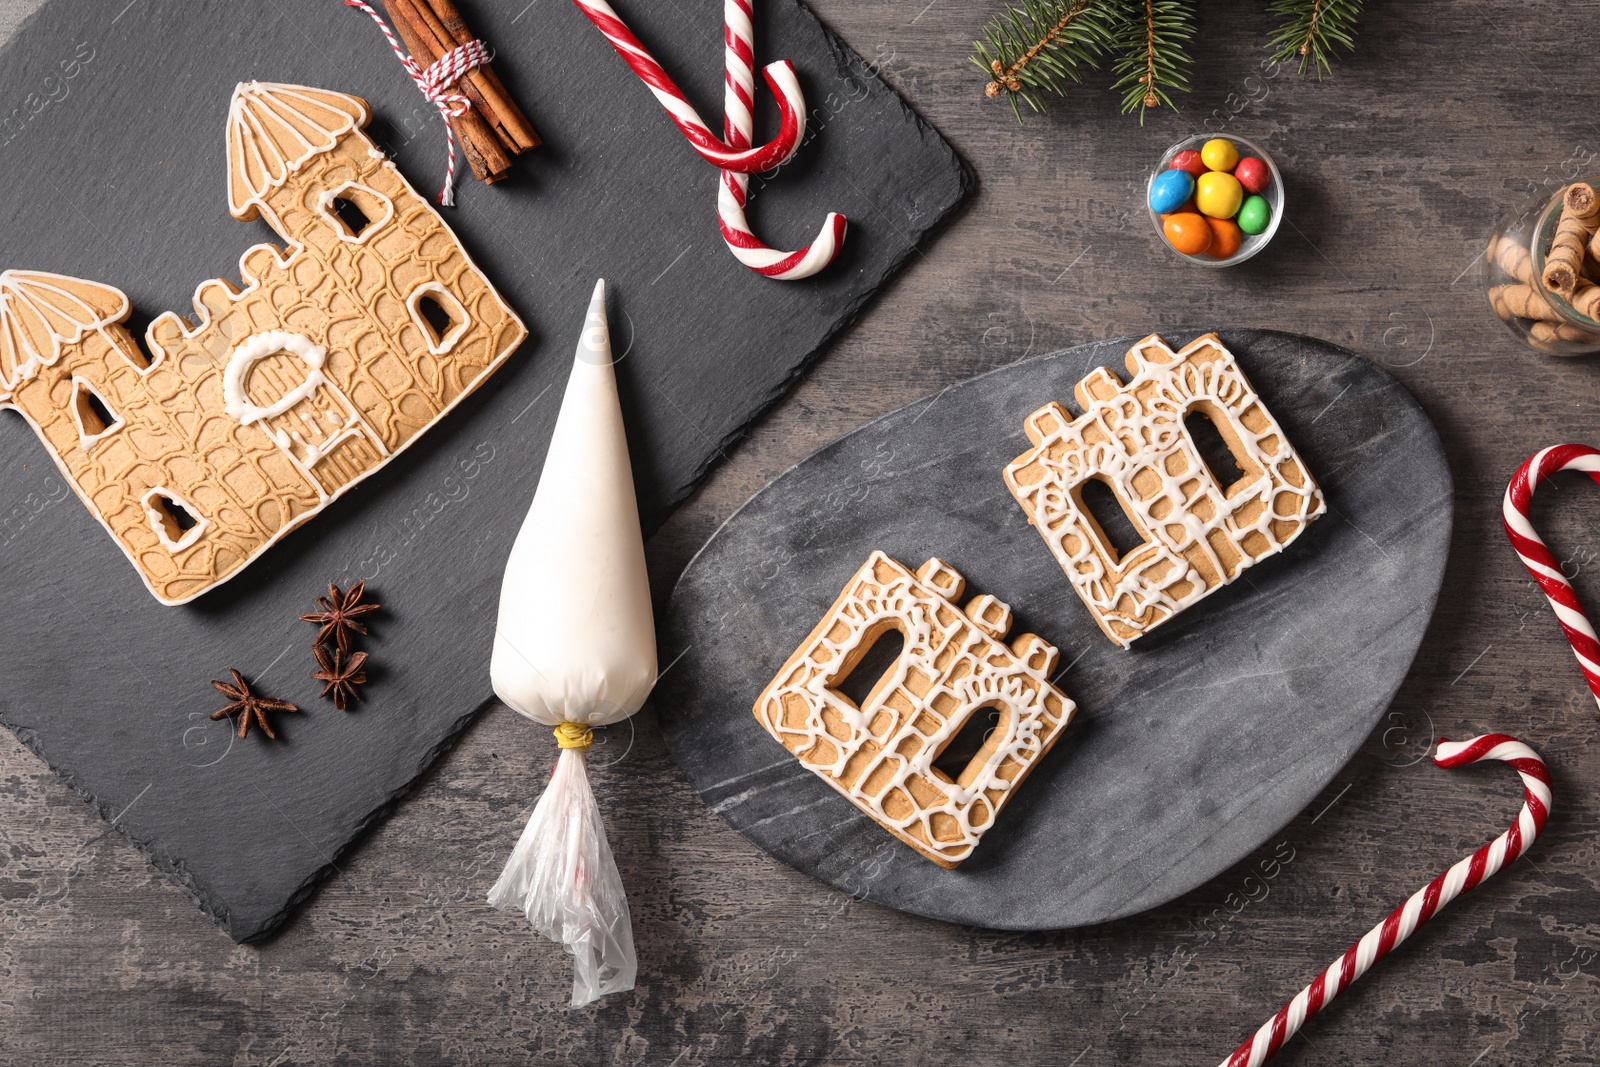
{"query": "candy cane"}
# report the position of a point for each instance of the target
(1426, 902)
(738, 39)
(1544, 567)
(780, 78)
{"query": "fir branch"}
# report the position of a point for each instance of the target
(1042, 46)
(1312, 29)
(1149, 42)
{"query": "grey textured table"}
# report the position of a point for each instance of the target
(1396, 166)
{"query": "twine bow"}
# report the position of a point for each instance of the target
(435, 82)
(574, 735)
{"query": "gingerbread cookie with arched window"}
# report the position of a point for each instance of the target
(1199, 516)
(200, 449)
(894, 750)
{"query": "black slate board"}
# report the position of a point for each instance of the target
(114, 168)
(1189, 751)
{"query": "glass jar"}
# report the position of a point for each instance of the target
(1514, 276)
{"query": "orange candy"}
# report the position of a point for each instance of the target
(1226, 237)
(1188, 232)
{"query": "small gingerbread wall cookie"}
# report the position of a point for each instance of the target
(199, 453)
(954, 663)
(1197, 535)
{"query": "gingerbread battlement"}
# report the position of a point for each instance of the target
(336, 354)
(1197, 535)
(954, 663)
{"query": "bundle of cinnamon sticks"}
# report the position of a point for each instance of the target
(494, 129)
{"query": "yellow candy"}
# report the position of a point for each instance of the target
(1218, 194)
(1219, 154)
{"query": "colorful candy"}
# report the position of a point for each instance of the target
(1254, 214)
(1169, 191)
(1218, 194)
(1253, 175)
(1215, 187)
(1189, 233)
(1190, 161)
(1225, 238)
(1219, 154)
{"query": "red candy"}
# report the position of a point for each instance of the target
(1188, 160)
(1253, 175)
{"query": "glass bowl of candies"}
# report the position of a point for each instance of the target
(1215, 201)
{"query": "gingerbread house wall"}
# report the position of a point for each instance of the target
(177, 435)
(954, 664)
(1197, 534)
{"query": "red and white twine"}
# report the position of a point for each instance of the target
(780, 77)
(1426, 902)
(434, 82)
(739, 76)
(1539, 560)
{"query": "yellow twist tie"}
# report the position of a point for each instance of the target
(574, 735)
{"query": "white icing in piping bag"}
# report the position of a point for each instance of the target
(575, 647)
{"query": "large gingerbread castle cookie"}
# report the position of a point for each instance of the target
(1197, 535)
(954, 663)
(201, 451)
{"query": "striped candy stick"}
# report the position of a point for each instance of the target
(1426, 902)
(780, 77)
(1544, 567)
(739, 75)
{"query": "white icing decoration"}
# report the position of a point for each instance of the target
(447, 300)
(1132, 434)
(979, 671)
(259, 346)
(309, 121)
(158, 522)
(325, 205)
(87, 440)
(39, 314)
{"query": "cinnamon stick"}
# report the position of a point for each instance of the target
(509, 121)
(477, 138)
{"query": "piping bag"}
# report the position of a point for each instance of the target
(575, 648)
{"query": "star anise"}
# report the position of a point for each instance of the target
(247, 706)
(340, 676)
(341, 615)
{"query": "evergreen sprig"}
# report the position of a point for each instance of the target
(1043, 46)
(1310, 31)
(1152, 58)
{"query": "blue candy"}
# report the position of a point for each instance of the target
(1170, 190)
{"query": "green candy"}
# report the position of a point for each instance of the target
(1254, 214)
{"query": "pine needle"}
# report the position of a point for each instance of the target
(1043, 46)
(1311, 30)
(1149, 43)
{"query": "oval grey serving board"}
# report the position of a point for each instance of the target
(1189, 751)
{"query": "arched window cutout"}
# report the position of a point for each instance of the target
(876, 662)
(439, 315)
(93, 415)
(1222, 460)
(968, 742)
(355, 212)
(1109, 517)
(176, 524)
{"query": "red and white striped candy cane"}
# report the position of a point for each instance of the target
(738, 126)
(780, 78)
(1426, 902)
(1544, 566)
